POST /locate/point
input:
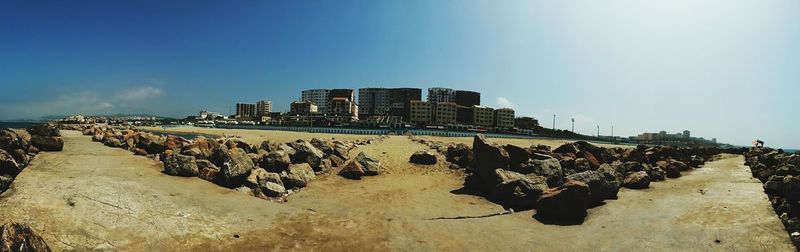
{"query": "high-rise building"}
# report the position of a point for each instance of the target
(303, 108)
(263, 108)
(245, 110)
(444, 113)
(341, 93)
(420, 112)
(400, 101)
(465, 115)
(317, 96)
(504, 118)
(468, 98)
(373, 101)
(483, 116)
(343, 110)
(438, 94)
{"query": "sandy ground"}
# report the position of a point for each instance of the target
(91, 196)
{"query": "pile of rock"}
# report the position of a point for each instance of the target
(574, 176)
(20, 237)
(268, 169)
(780, 173)
(18, 147)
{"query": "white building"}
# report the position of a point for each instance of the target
(317, 96)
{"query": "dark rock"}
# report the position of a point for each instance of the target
(657, 174)
(341, 150)
(567, 163)
(600, 187)
(370, 165)
(276, 161)
(47, 143)
(307, 153)
(326, 146)
(774, 185)
(297, 176)
(10, 140)
(791, 188)
(487, 157)
(637, 180)
(517, 191)
(540, 156)
(425, 157)
(548, 168)
(674, 169)
(8, 165)
(21, 157)
(352, 170)
(180, 165)
(460, 154)
(207, 170)
(582, 164)
(5, 182)
(566, 203)
(20, 237)
(516, 155)
(45, 129)
(336, 161)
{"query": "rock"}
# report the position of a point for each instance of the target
(9, 140)
(791, 188)
(610, 173)
(582, 164)
(45, 129)
(370, 165)
(233, 164)
(566, 203)
(637, 180)
(113, 142)
(657, 174)
(630, 166)
(673, 169)
(341, 150)
(207, 170)
(153, 144)
(352, 170)
(424, 157)
(600, 187)
(517, 191)
(516, 155)
(21, 157)
(194, 152)
(238, 144)
(325, 146)
(307, 153)
(269, 183)
(460, 154)
(680, 165)
(488, 157)
(47, 143)
(8, 165)
(97, 138)
(20, 237)
(336, 161)
(774, 185)
(548, 168)
(567, 163)
(297, 176)
(276, 161)
(140, 152)
(180, 165)
(325, 166)
(5, 182)
(540, 156)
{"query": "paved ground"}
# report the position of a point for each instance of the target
(94, 197)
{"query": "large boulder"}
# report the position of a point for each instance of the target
(21, 237)
(180, 165)
(425, 157)
(637, 180)
(44, 129)
(297, 176)
(234, 164)
(516, 155)
(488, 157)
(517, 191)
(600, 187)
(5, 182)
(548, 168)
(565, 203)
(268, 182)
(582, 164)
(276, 161)
(326, 146)
(113, 142)
(47, 143)
(371, 165)
(307, 153)
(8, 165)
(460, 154)
(9, 140)
(352, 170)
(207, 170)
(673, 169)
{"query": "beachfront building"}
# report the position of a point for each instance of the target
(263, 108)
(303, 108)
(420, 112)
(342, 110)
(438, 94)
(464, 115)
(444, 113)
(467, 98)
(373, 101)
(482, 116)
(503, 118)
(318, 97)
(400, 101)
(525, 122)
(245, 111)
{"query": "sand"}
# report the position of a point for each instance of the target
(91, 196)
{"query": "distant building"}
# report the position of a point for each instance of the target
(483, 116)
(444, 113)
(343, 110)
(503, 118)
(373, 101)
(207, 115)
(468, 98)
(399, 103)
(318, 97)
(525, 122)
(687, 134)
(303, 108)
(263, 108)
(420, 112)
(465, 115)
(245, 111)
(438, 94)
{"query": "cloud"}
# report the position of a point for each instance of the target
(139, 93)
(84, 102)
(503, 102)
(580, 118)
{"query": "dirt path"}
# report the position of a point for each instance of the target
(91, 196)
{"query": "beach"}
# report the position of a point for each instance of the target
(98, 197)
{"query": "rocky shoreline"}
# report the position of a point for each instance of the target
(780, 173)
(269, 170)
(19, 146)
(561, 184)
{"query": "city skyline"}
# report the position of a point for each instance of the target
(717, 68)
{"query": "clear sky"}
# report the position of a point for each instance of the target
(724, 69)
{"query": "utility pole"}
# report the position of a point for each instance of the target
(554, 121)
(598, 130)
(612, 131)
(573, 125)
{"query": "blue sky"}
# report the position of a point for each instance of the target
(724, 69)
